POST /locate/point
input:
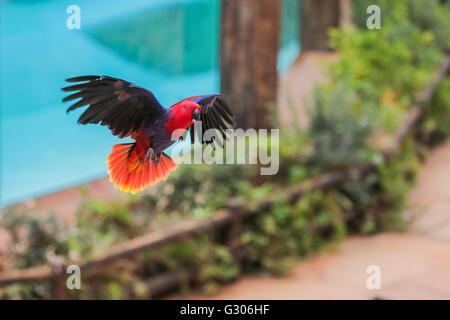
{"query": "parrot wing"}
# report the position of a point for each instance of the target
(122, 106)
(215, 114)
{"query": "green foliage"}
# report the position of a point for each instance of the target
(372, 84)
(424, 15)
(386, 67)
(288, 231)
(339, 131)
(100, 224)
(396, 179)
(212, 261)
(34, 237)
(437, 118)
(201, 186)
(26, 291)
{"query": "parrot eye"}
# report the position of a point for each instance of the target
(186, 108)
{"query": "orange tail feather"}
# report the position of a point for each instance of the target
(131, 173)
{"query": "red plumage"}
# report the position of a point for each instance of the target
(130, 110)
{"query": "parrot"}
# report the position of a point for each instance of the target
(129, 110)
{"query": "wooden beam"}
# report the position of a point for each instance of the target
(316, 17)
(248, 58)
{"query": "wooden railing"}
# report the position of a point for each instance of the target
(230, 217)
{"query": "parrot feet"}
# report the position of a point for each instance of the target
(153, 156)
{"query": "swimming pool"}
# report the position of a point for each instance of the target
(43, 149)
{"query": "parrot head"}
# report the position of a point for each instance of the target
(183, 114)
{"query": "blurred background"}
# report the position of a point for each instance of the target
(171, 47)
(362, 101)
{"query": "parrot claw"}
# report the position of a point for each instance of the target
(158, 157)
(152, 156)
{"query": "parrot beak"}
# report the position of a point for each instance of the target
(196, 115)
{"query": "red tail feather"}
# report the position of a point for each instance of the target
(129, 172)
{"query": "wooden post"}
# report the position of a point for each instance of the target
(316, 17)
(248, 58)
(59, 286)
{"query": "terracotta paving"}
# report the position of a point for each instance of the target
(296, 84)
(413, 265)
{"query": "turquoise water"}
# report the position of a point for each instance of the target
(168, 46)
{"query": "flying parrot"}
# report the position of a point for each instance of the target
(130, 110)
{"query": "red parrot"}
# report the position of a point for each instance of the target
(130, 110)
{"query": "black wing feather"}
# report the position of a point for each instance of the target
(215, 114)
(122, 106)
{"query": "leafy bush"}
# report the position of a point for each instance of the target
(424, 15)
(273, 239)
(338, 131)
(384, 68)
(437, 118)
